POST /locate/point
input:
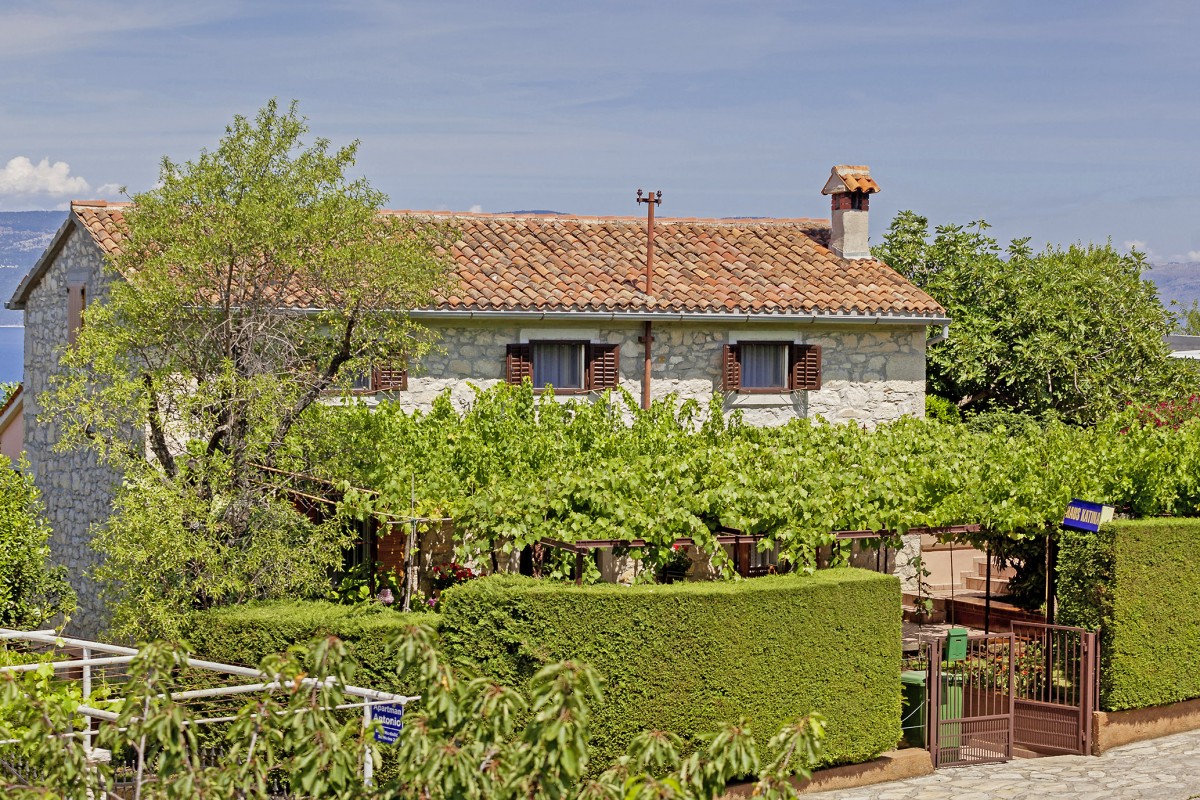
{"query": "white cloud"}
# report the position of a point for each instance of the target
(476, 209)
(108, 190)
(20, 176)
(1192, 255)
(1135, 244)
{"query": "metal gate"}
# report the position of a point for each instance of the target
(1057, 687)
(1035, 687)
(971, 702)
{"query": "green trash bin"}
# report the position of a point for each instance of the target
(912, 710)
(950, 732)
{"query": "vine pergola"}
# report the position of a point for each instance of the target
(742, 544)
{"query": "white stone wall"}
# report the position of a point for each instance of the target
(899, 562)
(76, 489)
(871, 374)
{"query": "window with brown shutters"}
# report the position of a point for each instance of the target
(518, 363)
(731, 369)
(604, 366)
(389, 379)
(76, 300)
(763, 375)
(805, 372)
(557, 362)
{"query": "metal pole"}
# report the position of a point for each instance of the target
(368, 763)
(87, 694)
(987, 592)
(1051, 576)
(653, 199)
(647, 363)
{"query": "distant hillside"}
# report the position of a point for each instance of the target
(1178, 281)
(24, 235)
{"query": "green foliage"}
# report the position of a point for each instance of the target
(250, 281)
(1136, 581)
(686, 658)
(246, 634)
(1076, 330)
(514, 469)
(941, 409)
(32, 593)
(462, 739)
(1188, 320)
(168, 551)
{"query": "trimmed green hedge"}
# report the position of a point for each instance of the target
(686, 657)
(1138, 582)
(245, 634)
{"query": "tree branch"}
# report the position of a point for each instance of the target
(158, 436)
(313, 392)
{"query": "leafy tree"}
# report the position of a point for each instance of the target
(32, 592)
(461, 739)
(1188, 322)
(1075, 331)
(251, 280)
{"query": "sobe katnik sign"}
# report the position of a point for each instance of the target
(1086, 516)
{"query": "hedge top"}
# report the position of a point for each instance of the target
(768, 583)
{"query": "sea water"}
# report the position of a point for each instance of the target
(12, 353)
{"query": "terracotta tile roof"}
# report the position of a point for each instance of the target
(104, 220)
(850, 178)
(760, 266)
(569, 263)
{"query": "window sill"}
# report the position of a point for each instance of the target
(744, 399)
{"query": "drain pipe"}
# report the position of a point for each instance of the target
(647, 337)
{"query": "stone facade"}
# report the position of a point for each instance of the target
(76, 489)
(871, 374)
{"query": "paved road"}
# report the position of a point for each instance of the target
(1161, 769)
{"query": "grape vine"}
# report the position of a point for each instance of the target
(516, 467)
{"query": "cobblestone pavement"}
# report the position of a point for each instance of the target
(1160, 769)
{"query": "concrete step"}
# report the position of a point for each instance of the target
(975, 583)
(981, 570)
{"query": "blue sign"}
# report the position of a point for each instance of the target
(391, 721)
(1084, 516)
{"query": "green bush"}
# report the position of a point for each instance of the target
(686, 657)
(244, 634)
(1138, 582)
(32, 593)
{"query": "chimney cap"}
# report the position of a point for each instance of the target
(849, 178)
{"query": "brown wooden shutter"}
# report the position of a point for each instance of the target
(731, 369)
(518, 363)
(604, 366)
(75, 301)
(805, 370)
(389, 379)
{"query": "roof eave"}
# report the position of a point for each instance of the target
(683, 316)
(31, 280)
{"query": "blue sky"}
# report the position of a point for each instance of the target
(1062, 121)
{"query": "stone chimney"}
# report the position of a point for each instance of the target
(850, 188)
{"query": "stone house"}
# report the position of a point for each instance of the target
(786, 317)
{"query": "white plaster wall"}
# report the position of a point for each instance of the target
(76, 489)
